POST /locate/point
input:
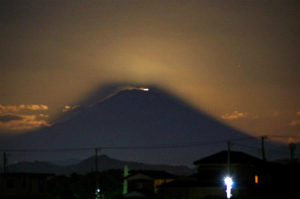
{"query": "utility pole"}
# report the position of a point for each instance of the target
(228, 180)
(4, 163)
(263, 147)
(292, 147)
(97, 192)
(228, 158)
(96, 165)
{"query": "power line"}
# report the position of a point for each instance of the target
(257, 148)
(178, 145)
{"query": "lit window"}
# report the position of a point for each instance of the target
(256, 179)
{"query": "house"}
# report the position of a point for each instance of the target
(23, 185)
(144, 184)
(245, 170)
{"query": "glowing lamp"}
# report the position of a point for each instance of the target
(256, 179)
(228, 181)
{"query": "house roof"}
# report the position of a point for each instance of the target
(192, 184)
(135, 194)
(236, 157)
(153, 174)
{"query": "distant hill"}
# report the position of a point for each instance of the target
(88, 165)
(35, 167)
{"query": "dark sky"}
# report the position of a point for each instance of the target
(238, 61)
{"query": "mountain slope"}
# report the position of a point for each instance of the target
(134, 118)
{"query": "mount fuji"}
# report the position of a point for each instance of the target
(135, 125)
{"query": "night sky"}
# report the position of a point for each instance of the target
(238, 61)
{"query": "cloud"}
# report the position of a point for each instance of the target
(21, 122)
(8, 109)
(10, 120)
(295, 122)
(43, 115)
(5, 109)
(37, 107)
(9, 117)
(235, 115)
(68, 108)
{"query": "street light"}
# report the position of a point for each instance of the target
(228, 181)
(97, 192)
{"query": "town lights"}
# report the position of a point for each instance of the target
(228, 181)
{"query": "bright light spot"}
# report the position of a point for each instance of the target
(228, 181)
(145, 89)
(97, 190)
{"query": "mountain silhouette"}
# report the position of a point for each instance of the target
(88, 165)
(145, 126)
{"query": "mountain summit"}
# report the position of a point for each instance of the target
(136, 125)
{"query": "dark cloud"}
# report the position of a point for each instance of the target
(9, 117)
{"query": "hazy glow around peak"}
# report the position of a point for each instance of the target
(216, 63)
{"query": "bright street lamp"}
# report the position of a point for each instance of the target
(228, 181)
